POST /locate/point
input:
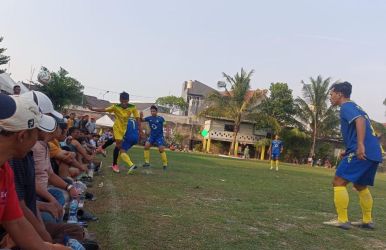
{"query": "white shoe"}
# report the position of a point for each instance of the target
(336, 223)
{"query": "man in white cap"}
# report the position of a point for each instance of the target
(20, 120)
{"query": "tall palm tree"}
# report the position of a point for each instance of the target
(314, 111)
(235, 103)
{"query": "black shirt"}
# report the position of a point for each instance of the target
(24, 172)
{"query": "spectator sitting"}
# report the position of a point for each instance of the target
(16, 90)
(19, 118)
(44, 175)
(82, 154)
(71, 120)
(91, 125)
(65, 163)
(24, 170)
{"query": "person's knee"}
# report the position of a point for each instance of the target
(359, 187)
(339, 182)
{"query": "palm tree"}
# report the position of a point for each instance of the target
(314, 111)
(235, 103)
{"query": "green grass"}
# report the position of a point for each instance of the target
(207, 202)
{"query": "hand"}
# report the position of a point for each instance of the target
(361, 151)
(55, 209)
(74, 193)
(141, 115)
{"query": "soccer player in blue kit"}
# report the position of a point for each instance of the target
(275, 150)
(130, 138)
(360, 160)
(156, 124)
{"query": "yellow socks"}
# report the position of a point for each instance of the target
(277, 164)
(146, 155)
(164, 159)
(126, 158)
(366, 202)
(341, 200)
(272, 164)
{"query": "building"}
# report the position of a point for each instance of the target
(195, 93)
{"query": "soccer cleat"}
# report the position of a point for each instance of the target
(271, 168)
(132, 169)
(146, 165)
(165, 168)
(115, 168)
(336, 223)
(360, 224)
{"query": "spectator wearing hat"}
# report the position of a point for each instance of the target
(19, 120)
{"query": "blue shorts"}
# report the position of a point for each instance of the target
(361, 172)
(275, 156)
(156, 140)
(129, 141)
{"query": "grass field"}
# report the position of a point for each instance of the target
(208, 202)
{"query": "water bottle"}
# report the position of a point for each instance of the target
(80, 186)
(91, 169)
(74, 244)
(72, 212)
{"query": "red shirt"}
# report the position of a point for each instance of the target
(9, 203)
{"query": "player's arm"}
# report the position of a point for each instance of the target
(97, 109)
(360, 125)
(141, 117)
(28, 239)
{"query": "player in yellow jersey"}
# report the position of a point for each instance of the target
(122, 112)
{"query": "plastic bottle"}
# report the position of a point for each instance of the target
(91, 169)
(74, 244)
(80, 186)
(72, 212)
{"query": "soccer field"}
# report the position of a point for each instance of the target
(208, 202)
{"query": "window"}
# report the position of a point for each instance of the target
(229, 127)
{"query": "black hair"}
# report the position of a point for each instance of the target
(72, 130)
(124, 96)
(342, 87)
(16, 86)
(154, 107)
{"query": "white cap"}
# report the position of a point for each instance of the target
(44, 103)
(19, 113)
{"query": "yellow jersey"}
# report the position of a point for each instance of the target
(122, 116)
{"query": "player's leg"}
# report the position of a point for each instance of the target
(146, 153)
(161, 149)
(273, 159)
(117, 148)
(277, 162)
(128, 142)
(365, 197)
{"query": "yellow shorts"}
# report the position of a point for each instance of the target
(118, 134)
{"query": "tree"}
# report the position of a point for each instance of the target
(313, 111)
(62, 89)
(236, 103)
(280, 104)
(173, 103)
(3, 58)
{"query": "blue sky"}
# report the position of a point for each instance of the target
(149, 48)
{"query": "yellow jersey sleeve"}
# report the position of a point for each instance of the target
(135, 112)
(110, 109)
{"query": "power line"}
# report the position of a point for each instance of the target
(115, 92)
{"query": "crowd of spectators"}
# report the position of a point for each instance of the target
(46, 163)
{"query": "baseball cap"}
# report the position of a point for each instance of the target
(18, 113)
(44, 103)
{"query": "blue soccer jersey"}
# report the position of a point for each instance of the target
(276, 147)
(349, 111)
(156, 124)
(131, 135)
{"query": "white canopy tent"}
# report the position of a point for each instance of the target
(7, 84)
(105, 121)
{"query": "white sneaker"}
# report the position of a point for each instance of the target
(336, 223)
